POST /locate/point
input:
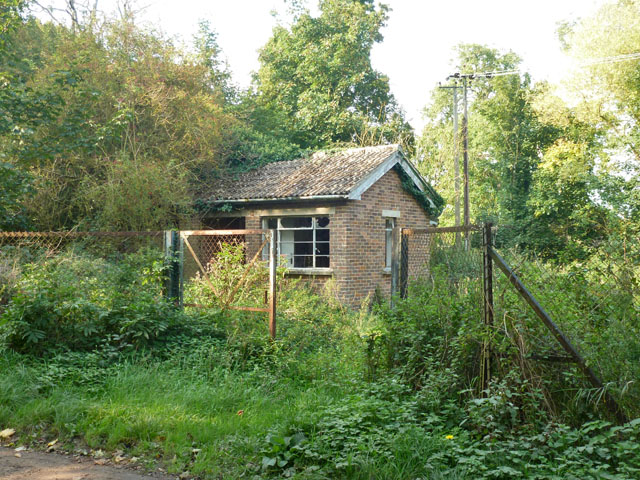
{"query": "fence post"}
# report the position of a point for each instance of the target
(174, 256)
(404, 263)
(487, 277)
(396, 254)
(273, 265)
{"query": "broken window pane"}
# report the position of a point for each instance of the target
(295, 222)
(302, 241)
(322, 222)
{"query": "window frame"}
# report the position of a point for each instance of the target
(314, 228)
(389, 216)
(388, 241)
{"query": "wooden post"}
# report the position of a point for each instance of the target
(273, 265)
(487, 275)
(174, 255)
(396, 253)
(609, 401)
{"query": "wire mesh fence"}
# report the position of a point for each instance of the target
(596, 306)
(228, 268)
(454, 252)
(592, 347)
(49, 244)
(217, 268)
(31, 251)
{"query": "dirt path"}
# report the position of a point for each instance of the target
(30, 465)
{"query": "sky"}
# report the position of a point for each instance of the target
(418, 40)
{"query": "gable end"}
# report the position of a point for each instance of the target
(396, 159)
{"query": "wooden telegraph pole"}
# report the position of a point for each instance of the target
(456, 153)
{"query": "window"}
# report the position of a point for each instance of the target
(303, 242)
(389, 225)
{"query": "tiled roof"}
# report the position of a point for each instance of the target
(322, 174)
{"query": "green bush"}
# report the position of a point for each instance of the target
(78, 302)
(596, 304)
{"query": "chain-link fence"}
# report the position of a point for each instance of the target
(455, 252)
(215, 268)
(551, 319)
(106, 244)
(29, 251)
(595, 306)
(229, 268)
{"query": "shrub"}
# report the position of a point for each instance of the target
(435, 328)
(78, 302)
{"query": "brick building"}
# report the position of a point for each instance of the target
(334, 213)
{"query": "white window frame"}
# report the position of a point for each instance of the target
(314, 228)
(390, 218)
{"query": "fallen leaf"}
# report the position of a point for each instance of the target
(7, 433)
(21, 449)
(52, 443)
(18, 455)
(240, 413)
(118, 458)
(100, 461)
(184, 475)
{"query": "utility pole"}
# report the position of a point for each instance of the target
(466, 78)
(456, 153)
(465, 159)
(465, 137)
(465, 148)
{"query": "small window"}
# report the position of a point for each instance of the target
(389, 225)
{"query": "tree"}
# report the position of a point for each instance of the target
(10, 17)
(316, 77)
(609, 85)
(505, 137)
(535, 166)
(107, 100)
(608, 92)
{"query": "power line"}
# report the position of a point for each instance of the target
(586, 63)
(614, 59)
(466, 78)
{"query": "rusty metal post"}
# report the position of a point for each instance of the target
(273, 265)
(487, 276)
(396, 254)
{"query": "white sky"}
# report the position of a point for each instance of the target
(418, 42)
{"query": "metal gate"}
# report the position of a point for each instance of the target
(228, 261)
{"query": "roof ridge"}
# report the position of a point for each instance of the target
(367, 148)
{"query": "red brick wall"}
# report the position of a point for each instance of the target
(358, 238)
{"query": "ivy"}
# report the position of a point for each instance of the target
(427, 199)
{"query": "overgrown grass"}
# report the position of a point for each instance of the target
(339, 394)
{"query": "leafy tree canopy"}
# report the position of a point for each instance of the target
(531, 159)
(316, 77)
